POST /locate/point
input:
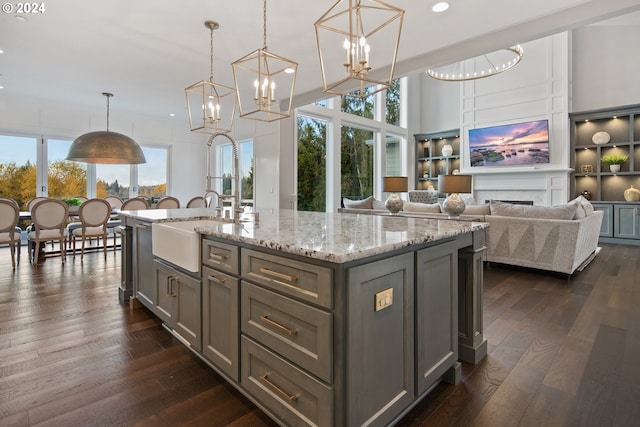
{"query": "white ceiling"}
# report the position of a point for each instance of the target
(147, 51)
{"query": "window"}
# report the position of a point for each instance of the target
(245, 164)
(393, 153)
(152, 176)
(64, 178)
(356, 162)
(18, 168)
(312, 152)
(113, 180)
(392, 110)
(363, 107)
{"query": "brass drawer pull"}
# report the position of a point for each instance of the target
(215, 279)
(284, 394)
(268, 321)
(270, 272)
(217, 255)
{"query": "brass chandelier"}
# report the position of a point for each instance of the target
(358, 45)
(265, 82)
(211, 106)
(106, 147)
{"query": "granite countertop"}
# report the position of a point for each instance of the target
(332, 237)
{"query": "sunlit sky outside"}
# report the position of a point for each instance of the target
(22, 149)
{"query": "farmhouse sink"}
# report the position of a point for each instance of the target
(178, 243)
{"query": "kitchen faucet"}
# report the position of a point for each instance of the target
(234, 196)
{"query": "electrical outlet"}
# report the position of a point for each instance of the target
(384, 299)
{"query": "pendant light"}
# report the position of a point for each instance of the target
(358, 45)
(106, 147)
(265, 82)
(211, 106)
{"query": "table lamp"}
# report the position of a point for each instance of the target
(454, 184)
(394, 185)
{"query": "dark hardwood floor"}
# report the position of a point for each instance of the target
(561, 353)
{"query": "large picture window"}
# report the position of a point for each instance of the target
(152, 176)
(312, 152)
(18, 169)
(356, 162)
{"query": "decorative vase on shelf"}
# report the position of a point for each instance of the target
(447, 150)
(586, 194)
(632, 194)
(614, 168)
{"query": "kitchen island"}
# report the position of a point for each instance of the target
(319, 318)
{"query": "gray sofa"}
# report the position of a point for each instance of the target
(561, 238)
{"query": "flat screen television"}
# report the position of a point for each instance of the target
(510, 145)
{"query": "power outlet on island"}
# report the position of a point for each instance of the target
(384, 299)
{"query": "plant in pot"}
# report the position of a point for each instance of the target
(73, 202)
(614, 160)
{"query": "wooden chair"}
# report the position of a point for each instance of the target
(94, 215)
(115, 202)
(196, 202)
(10, 233)
(168, 202)
(135, 204)
(49, 219)
(31, 203)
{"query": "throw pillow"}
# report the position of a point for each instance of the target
(358, 204)
(584, 207)
(378, 204)
(477, 209)
(421, 207)
(527, 211)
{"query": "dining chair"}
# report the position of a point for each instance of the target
(10, 233)
(196, 202)
(135, 204)
(32, 202)
(115, 202)
(94, 215)
(49, 219)
(168, 202)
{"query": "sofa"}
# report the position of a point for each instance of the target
(560, 238)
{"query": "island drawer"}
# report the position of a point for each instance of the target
(288, 392)
(308, 282)
(220, 255)
(297, 331)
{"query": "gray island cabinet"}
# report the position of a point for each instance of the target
(327, 319)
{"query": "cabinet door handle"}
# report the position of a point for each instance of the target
(171, 289)
(216, 279)
(270, 272)
(283, 393)
(277, 325)
(217, 255)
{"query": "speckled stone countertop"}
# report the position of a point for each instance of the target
(333, 237)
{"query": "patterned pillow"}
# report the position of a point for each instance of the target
(526, 211)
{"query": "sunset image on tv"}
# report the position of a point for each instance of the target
(510, 145)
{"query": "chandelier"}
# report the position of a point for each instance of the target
(211, 106)
(358, 44)
(105, 147)
(265, 82)
(479, 67)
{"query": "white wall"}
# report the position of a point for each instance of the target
(605, 66)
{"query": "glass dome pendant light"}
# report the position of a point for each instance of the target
(106, 147)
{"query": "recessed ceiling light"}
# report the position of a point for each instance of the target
(440, 6)
(21, 18)
(1, 51)
(171, 115)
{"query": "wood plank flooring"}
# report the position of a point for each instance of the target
(561, 353)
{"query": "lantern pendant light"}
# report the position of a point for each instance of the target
(358, 45)
(265, 82)
(211, 106)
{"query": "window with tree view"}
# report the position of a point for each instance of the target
(393, 103)
(356, 162)
(312, 152)
(18, 168)
(152, 175)
(66, 179)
